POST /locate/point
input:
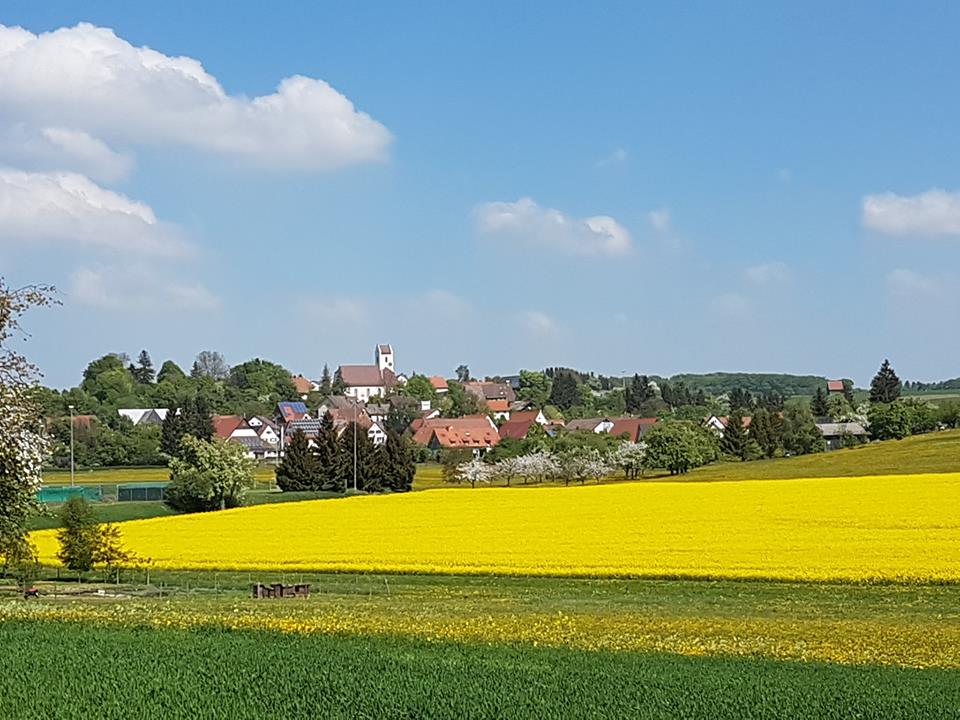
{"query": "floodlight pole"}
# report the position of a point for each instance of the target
(72, 478)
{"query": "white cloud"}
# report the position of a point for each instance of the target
(70, 209)
(907, 284)
(659, 219)
(336, 310)
(138, 288)
(56, 148)
(935, 212)
(88, 79)
(526, 222)
(732, 306)
(617, 157)
(768, 274)
(538, 323)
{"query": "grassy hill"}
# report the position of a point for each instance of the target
(931, 453)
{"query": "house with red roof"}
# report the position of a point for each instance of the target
(439, 384)
(632, 428)
(520, 423)
(471, 432)
(835, 386)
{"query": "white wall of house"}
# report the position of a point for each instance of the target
(604, 426)
(377, 435)
(364, 392)
(269, 436)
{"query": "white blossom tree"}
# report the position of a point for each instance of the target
(508, 468)
(538, 466)
(22, 439)
(631, 457)
(475, 471)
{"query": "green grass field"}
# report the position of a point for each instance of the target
(931, 453)
(55, 670)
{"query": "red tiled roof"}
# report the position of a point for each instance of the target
(524, 415)
(439, 383)
(633, 428)
(517, 429)
(302, 384)
(468, 431)
(361, 375)
(499, 405)
(224, 425)
(834, 385)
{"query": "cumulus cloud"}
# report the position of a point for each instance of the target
(69, 209)
(659, 219)
(137, 288)
(524, 221)
(57, 148)
(88, 79)
(935, 212)
(538, 323)
(768, 274)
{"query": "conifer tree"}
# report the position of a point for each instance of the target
(885, 386)
(171, 431)
(818, 406)
(331, 470)
(399, 466)
(734, 440)
(299, 468)
(326, 382)
(143, 370)
(762, 431)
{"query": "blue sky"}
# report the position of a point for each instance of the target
(662, 190)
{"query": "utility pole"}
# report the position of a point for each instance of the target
(72, 478)
(355, 403)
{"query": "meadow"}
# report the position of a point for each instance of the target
(894, 528)
(115, 671)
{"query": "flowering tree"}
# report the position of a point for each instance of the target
(508, 469)
(630, 457)
(584, 464)
(475, 471)
(538, 466)
(22, 440)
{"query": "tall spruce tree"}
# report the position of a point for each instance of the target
(143, 371)
(818, 405)
(361, 456)
(885, 386)
(399, 466)
(762, 431)
(326, 381)
(331, 470)
(299, 468)
(565, 393)
(734, 440)
(171, 431)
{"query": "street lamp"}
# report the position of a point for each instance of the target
(72, 478)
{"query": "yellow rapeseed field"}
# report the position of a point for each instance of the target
(902, 528)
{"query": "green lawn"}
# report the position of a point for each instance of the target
(57, 670)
